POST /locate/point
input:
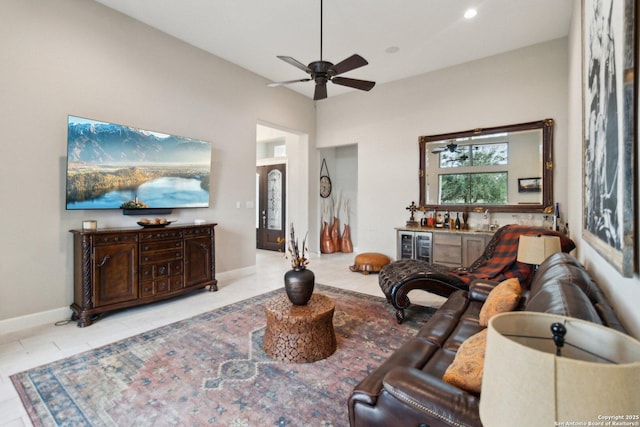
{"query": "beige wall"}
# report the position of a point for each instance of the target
(78, 57)
(519, 86)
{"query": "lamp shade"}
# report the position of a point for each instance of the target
(535, 249)
(524, 383)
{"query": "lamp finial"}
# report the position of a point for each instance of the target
(559, 331)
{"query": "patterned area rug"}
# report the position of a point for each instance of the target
(211, 370)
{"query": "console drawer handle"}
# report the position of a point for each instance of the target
(103, 261)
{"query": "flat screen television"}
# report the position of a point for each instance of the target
(111, 166)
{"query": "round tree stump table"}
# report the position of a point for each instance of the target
(299, 333)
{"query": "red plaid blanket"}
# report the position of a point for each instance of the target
(501, 263)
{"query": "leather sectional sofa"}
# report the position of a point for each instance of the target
(408, 390)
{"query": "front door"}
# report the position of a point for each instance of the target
(271, 194)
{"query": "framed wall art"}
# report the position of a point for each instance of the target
(529, 185)
(609, 73)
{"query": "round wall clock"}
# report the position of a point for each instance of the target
(325, 181)
(325, 186)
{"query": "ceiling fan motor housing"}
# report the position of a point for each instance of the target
(321, 71)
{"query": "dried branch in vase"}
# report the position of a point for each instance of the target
(298, 255)
(337, 199)
(347, 210)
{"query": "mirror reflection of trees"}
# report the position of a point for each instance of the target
(474, 187)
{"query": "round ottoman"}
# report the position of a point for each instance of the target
(369, 262)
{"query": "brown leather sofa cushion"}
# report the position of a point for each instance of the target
(562, 286)
(566, 300)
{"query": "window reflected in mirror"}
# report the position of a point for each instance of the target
(473, 188)
(486, 168)
(463, 177)
(476, 155)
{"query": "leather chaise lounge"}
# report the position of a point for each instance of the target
(497, 263)
(408, 390)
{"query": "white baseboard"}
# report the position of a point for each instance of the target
(235, 274)
(64, 313)
(33, 320)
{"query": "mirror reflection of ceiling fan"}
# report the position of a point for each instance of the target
(461, 158)
(451, 147)
(322, 72)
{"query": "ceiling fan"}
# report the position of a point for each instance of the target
(451, 147)
(322, 72)
(461, 158)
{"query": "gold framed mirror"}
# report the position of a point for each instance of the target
(503, 169)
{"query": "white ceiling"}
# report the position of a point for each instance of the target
(430, 34)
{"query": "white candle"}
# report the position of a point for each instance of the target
(89, 224)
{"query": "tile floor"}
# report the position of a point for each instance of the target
(32, 347)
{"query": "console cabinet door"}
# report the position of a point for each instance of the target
(447, 249)
(115, 273)
(472, 248)
(198, 253)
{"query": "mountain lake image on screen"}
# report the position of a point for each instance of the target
(111, 166)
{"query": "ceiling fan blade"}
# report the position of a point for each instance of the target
(354, 83)
(274, 84)
(320, 92)
(295, 63)
(351, 63)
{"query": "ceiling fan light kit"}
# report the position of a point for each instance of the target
(322, 72)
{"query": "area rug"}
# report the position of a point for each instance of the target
(211, 370)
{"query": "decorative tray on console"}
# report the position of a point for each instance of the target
(152, 225)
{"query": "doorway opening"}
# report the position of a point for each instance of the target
(281, 190)
(342, 164)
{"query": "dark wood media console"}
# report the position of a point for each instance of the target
(116, 268)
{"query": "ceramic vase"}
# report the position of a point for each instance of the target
(335, 234)
(299, 283)
(345, 243)
(326, 244)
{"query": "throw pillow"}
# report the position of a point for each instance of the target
(466, 370)
(504, 297)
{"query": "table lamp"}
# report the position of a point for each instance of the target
(535, 249)
(525, 382)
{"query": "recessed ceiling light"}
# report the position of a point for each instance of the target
(392, 49)
(470, 13)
